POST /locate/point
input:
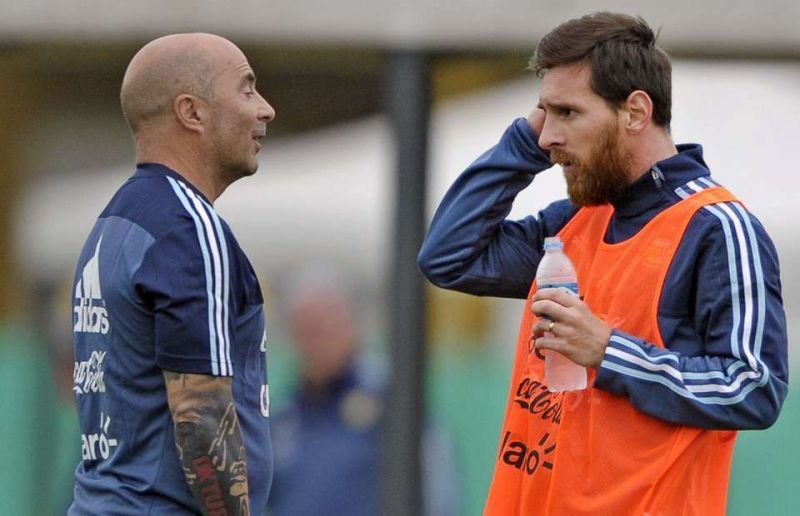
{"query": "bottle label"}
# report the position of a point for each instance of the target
(571, 286)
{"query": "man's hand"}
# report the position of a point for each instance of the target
(209, 442)
(577, 333)
(536, 120)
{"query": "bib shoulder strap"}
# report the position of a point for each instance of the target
(708, 196)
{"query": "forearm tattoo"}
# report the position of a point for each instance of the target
(212, 455)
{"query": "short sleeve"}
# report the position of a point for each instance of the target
(185, 280)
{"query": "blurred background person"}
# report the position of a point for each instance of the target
(327, 439)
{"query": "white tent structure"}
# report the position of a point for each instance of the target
(726, 26)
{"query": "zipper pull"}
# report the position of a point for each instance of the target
(658, 177)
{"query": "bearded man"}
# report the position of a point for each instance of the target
(681, 324)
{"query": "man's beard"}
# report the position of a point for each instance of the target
(602, 178)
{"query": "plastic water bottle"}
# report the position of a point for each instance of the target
(556, 271)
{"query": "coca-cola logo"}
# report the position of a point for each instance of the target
(533, 396)
(88, 375)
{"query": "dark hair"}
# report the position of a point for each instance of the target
(623, 57)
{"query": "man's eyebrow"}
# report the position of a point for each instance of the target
(558, 105)
(248, 78)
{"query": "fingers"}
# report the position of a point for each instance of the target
(581, 337)
(560, 295)
(536, 120)
(555, 343)
(542, 327)
(550, 310)
(581, 350)
(555, 303)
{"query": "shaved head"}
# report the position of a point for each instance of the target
(192, 105)
(165, 68)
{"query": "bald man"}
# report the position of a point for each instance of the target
(170, 373)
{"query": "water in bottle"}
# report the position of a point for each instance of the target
(556, 271)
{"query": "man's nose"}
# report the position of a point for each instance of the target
(551, 137)
(266, 112)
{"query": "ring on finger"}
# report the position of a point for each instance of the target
(551, 326)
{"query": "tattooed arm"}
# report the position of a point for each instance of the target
(209, 442)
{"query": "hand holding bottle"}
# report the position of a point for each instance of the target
(577, 334)
(556, 272)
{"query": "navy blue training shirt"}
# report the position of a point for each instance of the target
(161, 283)
(721, 313)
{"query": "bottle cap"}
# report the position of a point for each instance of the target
(553, 243)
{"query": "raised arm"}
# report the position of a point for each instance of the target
(209, 441)
(470, 246)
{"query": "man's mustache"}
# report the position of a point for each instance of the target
(560, 157)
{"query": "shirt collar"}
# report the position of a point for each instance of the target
(157, 169)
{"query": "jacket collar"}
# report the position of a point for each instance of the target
(657, 186)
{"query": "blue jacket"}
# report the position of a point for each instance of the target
(721, 313)
(327, 445)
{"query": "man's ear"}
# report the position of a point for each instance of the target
(191, 112)
(639, 107)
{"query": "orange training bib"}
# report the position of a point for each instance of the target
(590, 452)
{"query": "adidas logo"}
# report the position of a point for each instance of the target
(90, 311)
